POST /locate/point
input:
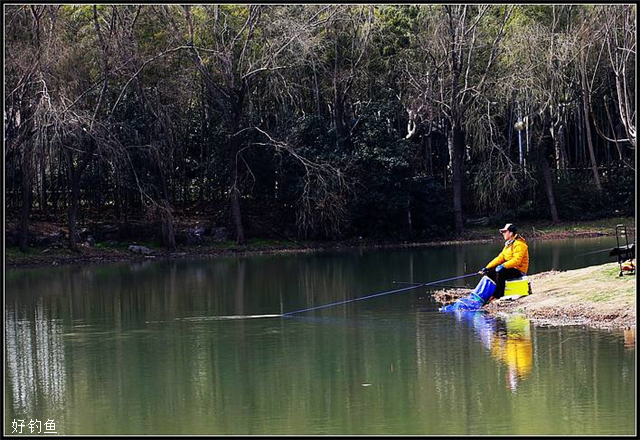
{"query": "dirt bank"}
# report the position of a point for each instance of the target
(593, 296)
(110, 251)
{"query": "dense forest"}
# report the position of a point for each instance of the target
(317, 121)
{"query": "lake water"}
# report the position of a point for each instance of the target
(158, 348)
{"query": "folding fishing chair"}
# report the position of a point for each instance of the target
(625, 252)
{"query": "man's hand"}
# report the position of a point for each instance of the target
(499, 268)
(482, 271)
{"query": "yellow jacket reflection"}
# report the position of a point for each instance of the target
(515, 349)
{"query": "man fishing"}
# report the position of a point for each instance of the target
(512, 262)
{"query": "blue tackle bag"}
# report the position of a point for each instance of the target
(476, 299)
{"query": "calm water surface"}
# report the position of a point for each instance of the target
(153, 348)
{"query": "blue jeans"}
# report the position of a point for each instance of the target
(500, 278)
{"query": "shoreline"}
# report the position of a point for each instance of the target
(118, 252)
(39, 257)
(593, 296)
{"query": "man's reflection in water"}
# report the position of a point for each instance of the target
(508, 340)
(514, 348)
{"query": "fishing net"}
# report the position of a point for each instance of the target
(476, 299)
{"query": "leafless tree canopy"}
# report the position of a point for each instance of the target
(313, 120)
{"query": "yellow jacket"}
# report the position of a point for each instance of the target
(514, 255)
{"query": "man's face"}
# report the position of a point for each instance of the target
(508, 235)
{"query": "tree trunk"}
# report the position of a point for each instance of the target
(117, 195)
(26, 197)
(185, 184)
(168, 232)
(428, 153)
(456, 153)
(627, 120)
(55, 187)
(203, 129)
(236, 215)
(559, 143)
(338, 104)
(73, 212)
(545, 170)
(338, 98)
(43, 180)
(587, 126)
(316, 89)
(75, 175)
(409, 220)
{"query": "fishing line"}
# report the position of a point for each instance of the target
(389, 292)
(225, 317)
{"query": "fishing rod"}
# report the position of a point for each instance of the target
(389, 292)
(612, 251)
(594, 252)
(442, 285)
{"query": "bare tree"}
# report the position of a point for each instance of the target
(322, 203)
(544, 78)
(459, 62)
(79, 134)
(70, 118)
(157, 107)
(230, 61)
(621, 48)
(614, 35)
(350, 35)
(544, 145)
(586, 43)
(27, 95)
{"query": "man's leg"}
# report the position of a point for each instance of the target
(501, 279)
(491, 273)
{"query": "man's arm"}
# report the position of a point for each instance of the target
(496, 261)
